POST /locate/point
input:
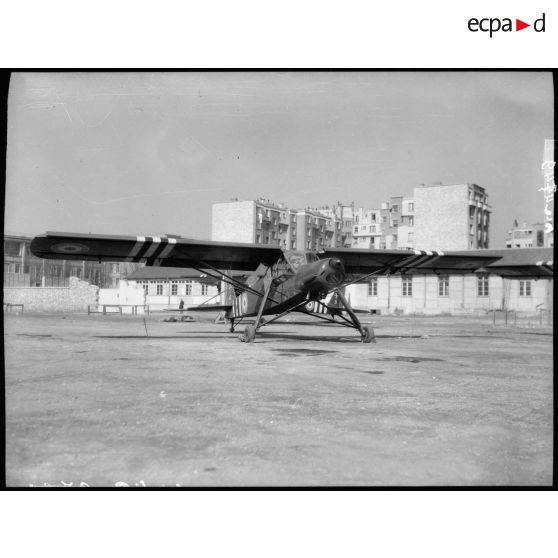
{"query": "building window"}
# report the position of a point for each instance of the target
(410, 236)
(395, 208)
(407, 286)
(411, 206)
(188, 288)
(443, 285)
(525, 288)
(159, 288)
(204, 289)
(145, 287)
(482, 285)
(174, 288)
(258, 239)
(540, 238)
(373, 287)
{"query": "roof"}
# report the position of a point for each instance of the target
(163, 273)
(154, 272)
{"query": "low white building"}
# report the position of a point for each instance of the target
(452, 294)
(165, 287)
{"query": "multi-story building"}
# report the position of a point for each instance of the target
(263, 222)
(526, 236)
(438, 217)
(406, 229)
(344, 214)
(369, 228)
(451, 217)
(253, 221)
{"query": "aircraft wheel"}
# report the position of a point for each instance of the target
(368, 334)
(249, 334)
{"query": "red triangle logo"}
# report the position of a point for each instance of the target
(519, 25)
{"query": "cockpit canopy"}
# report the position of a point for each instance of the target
(296, 258)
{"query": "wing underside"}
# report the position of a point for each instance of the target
(518, 263)
(154, 250)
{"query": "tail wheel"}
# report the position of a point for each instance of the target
(368, 334)
(249, 334)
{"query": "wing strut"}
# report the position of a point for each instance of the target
(230, 280)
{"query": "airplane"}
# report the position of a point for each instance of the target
(285, 281)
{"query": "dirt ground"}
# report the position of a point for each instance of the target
(436, 401)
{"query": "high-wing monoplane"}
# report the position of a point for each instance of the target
(283, 281)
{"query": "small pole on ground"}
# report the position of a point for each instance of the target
(506, 311)
(514, 318)
(145, 325)
(494, 316)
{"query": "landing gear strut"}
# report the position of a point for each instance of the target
(250, 330)
(366, 332)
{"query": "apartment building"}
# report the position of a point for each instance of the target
(264, 222)
(437, 217)
(526, 236)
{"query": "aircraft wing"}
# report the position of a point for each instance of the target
(154, 250)
(521, 263)
(513, 263)
(358, 261)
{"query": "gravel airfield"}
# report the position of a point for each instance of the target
(437, 401)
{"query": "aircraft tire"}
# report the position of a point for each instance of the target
(249, 334)
(368, 334)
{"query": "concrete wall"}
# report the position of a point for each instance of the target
(441, 217)
(74, 298)
(234, 222)
(463, 296)
(126, 293)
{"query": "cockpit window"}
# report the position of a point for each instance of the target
(296, 259)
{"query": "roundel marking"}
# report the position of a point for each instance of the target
(70, 248)
(244, 302)
(310, 306)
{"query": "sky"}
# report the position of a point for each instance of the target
(149, 153)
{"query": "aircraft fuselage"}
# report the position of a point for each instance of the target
(299, 276)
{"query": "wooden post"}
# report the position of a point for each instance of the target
(494, 316)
